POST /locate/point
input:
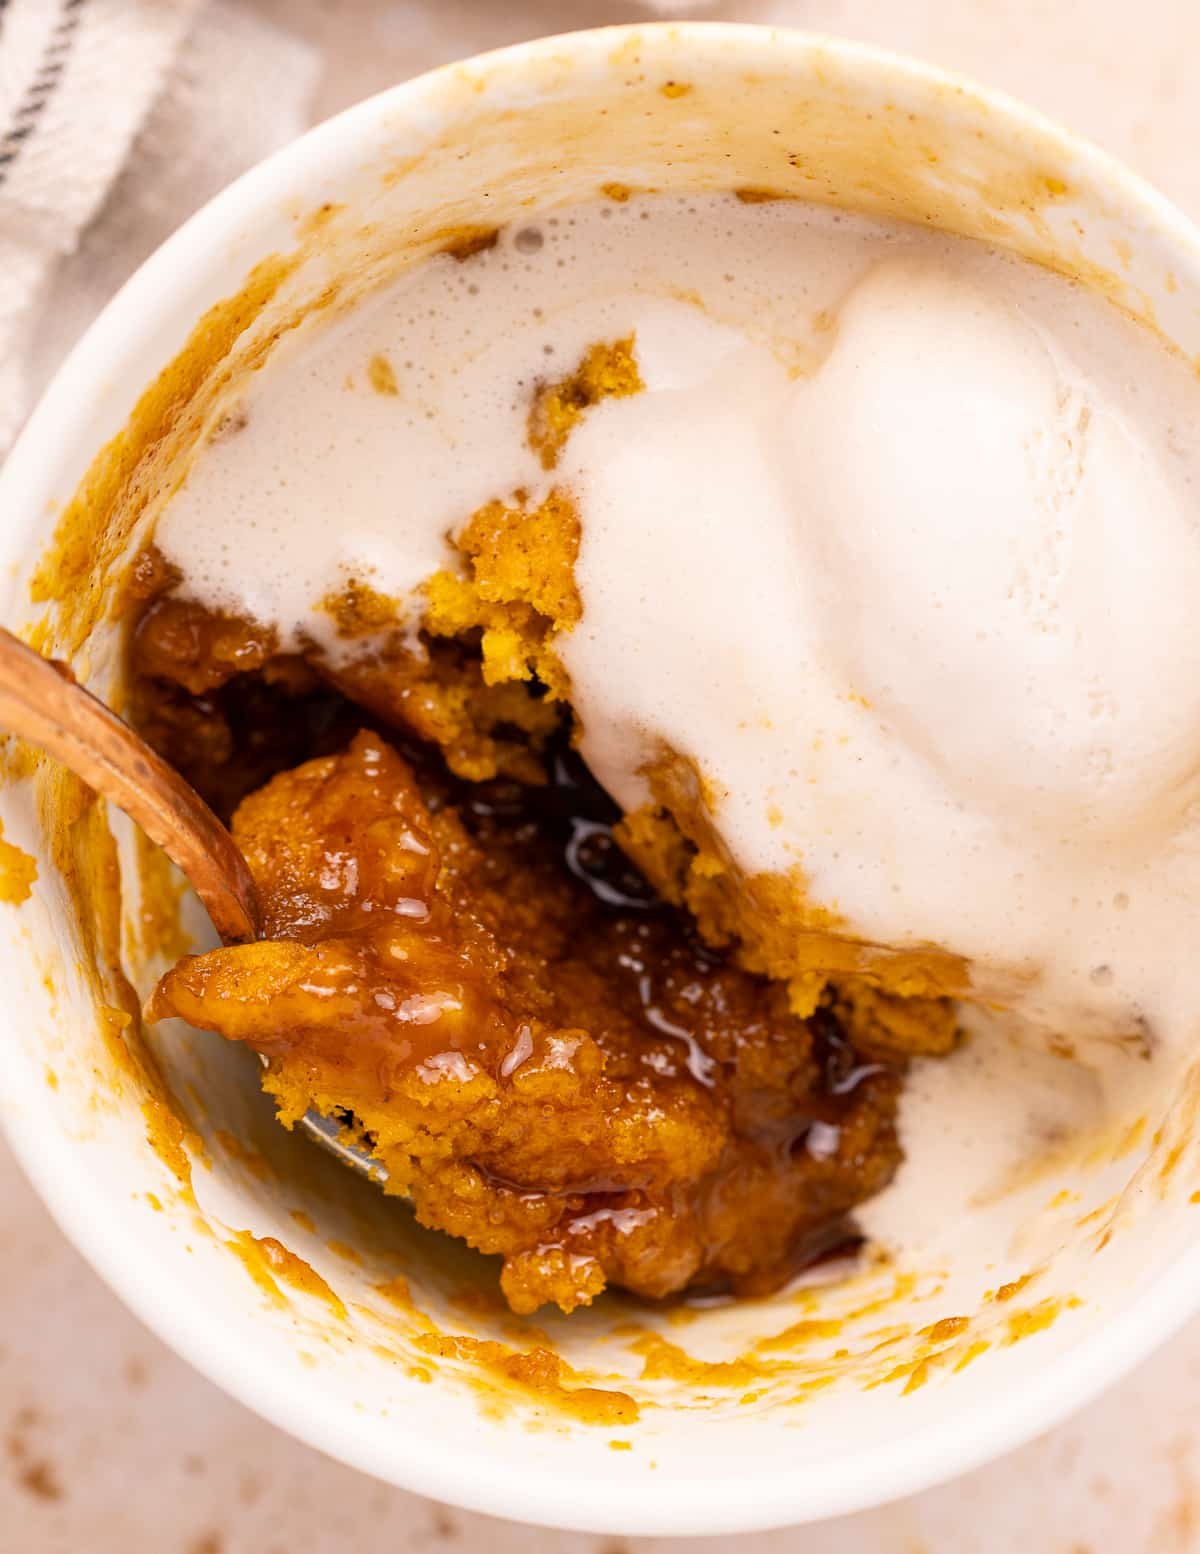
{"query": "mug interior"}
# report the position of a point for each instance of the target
(304, 1290)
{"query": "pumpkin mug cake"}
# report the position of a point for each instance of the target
(680, 669)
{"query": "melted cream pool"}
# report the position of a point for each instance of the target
(901, 544)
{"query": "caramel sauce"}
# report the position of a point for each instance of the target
(546, 1057)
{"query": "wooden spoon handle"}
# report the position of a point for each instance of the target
(40, 701)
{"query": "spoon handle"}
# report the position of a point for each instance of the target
(40, 701)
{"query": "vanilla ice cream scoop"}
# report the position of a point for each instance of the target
(1003, 560)
(925, 619)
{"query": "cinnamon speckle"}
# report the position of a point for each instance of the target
(40, 1480)
(441, 1524)
(35, 1473)
(136, 1373)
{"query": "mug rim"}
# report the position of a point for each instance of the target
(457, 1472)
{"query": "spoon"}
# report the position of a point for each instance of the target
(41, 701)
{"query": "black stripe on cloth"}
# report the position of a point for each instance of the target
(44, 83)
